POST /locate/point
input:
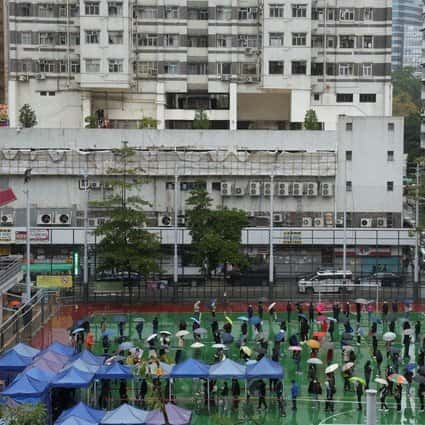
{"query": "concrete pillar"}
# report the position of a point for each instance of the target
(85, 107)
(13, 103)
(160, 105)
(233, 106)
(371, 407)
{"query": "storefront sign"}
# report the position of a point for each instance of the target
(5, 235)
(40, 235)
(43, 281)
(291, 238)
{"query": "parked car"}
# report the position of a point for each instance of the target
(384, 279)
(327, 281)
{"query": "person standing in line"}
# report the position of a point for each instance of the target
(374, 345)
(262, 394)
(279, 397)
(294, 394)
(367, 373)
(359, 393)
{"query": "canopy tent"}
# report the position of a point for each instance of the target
(114, 371)
(25, 386)
(59, 348)
(175, 415)
(227, 369)
(47, 364)
(11, 361)
(88, 357)
(165, 369)
(83, 366)
(52, 356)
(73, 420)
(15, 401)
(25, 350)
(39, 374)
(125, 414)
(190, 368)
(265, 368)
(82, 411)
(72, 378)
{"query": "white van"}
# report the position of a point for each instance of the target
(327, 281)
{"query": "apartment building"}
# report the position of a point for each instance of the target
(249, 64)
(2, 54)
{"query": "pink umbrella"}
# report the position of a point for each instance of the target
(320, 307)
(294, 348)
(321, 318)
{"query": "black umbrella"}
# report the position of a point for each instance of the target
(395, 350)
(227, 338)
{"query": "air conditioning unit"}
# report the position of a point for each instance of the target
(226, 189)
(254, 188)
(282, 189)
(7, 219)
(92, 222)
(164, 220)
(238, 191)
(225, 77)
(153, 72)
(318, 221)
(310, 189)
(365, 222)
(339, 222)
(297, 189)
(40, 76)
(23, 78)
(181, 220)
(381, 222)
(267, 189)
(249, 51)
(326, 190)
(307, 222)
(277, 218)
(63, 219)
(45, 219)
(95, 185)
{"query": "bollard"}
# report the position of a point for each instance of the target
(371, 407)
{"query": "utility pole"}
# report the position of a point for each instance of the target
(86, 224)
(27, 179)
(176, 254)
(271, 259)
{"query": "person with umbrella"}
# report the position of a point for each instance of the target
(295, 390)
(155, 325)
(383, 393)
(330, 391)
(397, 397)
(139, 328)
(421, 395)
(367, 373)
(288, 310)
(315, 389)
(279, 397)
(311, 312)
(262, 394)
(417, 331)
(359, 393)
(406, 343)
(384, 311)
(236, 392)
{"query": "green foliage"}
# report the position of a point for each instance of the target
(404, 81)
(126, 246)
(148, 122)
(91, 121)
(26, 414)
(27, 117)
(201, 121)
(216, 234)
(310, 120)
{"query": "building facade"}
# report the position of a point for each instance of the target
(407, 36)
(3, 59)
(313, 177)
(248, 64)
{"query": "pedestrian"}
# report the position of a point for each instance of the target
(421, 358)
(367, 373)
(297, 361)
(213, 308)
(250, 311)
(294, 394)
(383, 392)
(123, 391)
(196, 308)
(288, 310)
(244, 328)
(121, 328)
(391, 326)
(417, 331)
(347, 309)
(408, 374)
(384, 311)
(315, 389)
(260, 310)
(224, 394)
(182, 325)
(331, 329)
(105, 344)
(395, 307)
(139, 329)
(279, 397)
(374, 345)
(236, 392)
(103, 325)
(329, 395)
(143, 390)
(105, 393)
(379, 360)
(155, 325)
(89, 341)
(358, 334)
(397, 397)
(329, 355)
(311, 312)
(370, 309)
(262, 394)
(358, 312)
(406, 343)
(273, 313)
(421, 395)
(180, 348)
(359, 393)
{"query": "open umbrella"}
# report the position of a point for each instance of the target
(151, 337)
(361, 301)
(194, 319)
(197, 345)
(182, 333)
(218, 346)
(381, 381)
(120, 318)
(138, 320)
(314, 360)
(78, 330)
(262, 299)
(294, 348)
(243, 318)
(408, 331)
(126, 345)
(279, 336)
(347, 366)
(321, 318)
(411, 366)
(332, 368)
(108, 332)
(164, 333)
(227, 338)
(228, 319)
(312, 343)
(397, 379)
(271, 306)
(255, 320)
(332, 319)
(328, 345)
(200, 331)
(302, 316)
(347, 348)
(389, 336)
(319, 334)
(408, 302)
(246, 350)
(357, 379)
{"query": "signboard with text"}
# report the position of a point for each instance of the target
(46, 281)
(290, 237)
(5, 235)
(36, 235)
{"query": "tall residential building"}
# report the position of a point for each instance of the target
(247, 63)
(407, 37)
(2, 54)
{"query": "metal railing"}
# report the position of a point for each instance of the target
(10, 267)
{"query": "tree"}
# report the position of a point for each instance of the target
(201, 121)
(126, 246)
(27, 117)
(216, 234)
(310, 121)
(148, 122)
(91, 121)
(25, 414)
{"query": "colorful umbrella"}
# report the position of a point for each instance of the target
(411, 366)
(294, 348)
(314, 360)
(389, 336)
(381, 381)
(243, 318)
(108, 332)
(319, 334)
(228, 319)
(332, 368)
(357, 379)
(182, 333)
(312, 343)
(397, 378)
(254, 320)
(347, 366)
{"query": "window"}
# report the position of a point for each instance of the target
(92, 8)
(197, 13)
(248, 68)
(92, 65)
(344, 97)
(317, 68)
(346, 69)
(346, 41)
(348, 186)
(26, 37)
(43, 93)
(331, 42)
(346, 14)
(224, 68)
(75, 39)
(170, 68)
(46, 11)
(224, 40)
(390, 155)
(46, 38)
(115, 37)
(148, 40)
(149, 12)
(46, 65)
(367, 70)
(75, 9)
(197, 41)
(390, 126)
(331, 15)
(276, 10)
(197, 68)
(170, 40)
(62, 38)
(367, 42)
(276, 39)
(366, 14)
(275, 67)
(247, 13)
(114, 8)
(348, 155)
(349, 126)
(115, 65)
(62, 66)
(316, 97)
(171, 12)
(299, 67)
(223, 13)
(92, 36)
(62, 11)
(367, 98)
(75, 67)
(146, 67)
(299, 38)
(390, 186)
(299, 10)
(317, 41)
(245, 40)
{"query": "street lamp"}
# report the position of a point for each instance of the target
(27, 179)
(86, 222)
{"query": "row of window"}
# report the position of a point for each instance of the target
(349, 155)
(349, 186)
(349, 97)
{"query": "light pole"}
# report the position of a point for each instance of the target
(271, 259)
(27, 179)
(86, 223)
(176, 255)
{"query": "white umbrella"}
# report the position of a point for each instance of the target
(332, 368)
(408, 332)
(347, 348)
(164, 333)
(182, 333)
(389, 336)
(151, 337)
(197, 345)
(246, 350)
(271, 306)
(347, 366)
(78, 330)
(314, 360)
(294, 348)
(381, 381)
(126, 345)
(138, 320)
(218, 346)
(361, 301)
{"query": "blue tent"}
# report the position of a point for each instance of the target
(265, 368)
(11, 361)
(114, 371)
(125, 414)
(72, 378)
(88, 357)
(227, 369)
(58, 347)
(83, 366)
(73, 420)
(190, 368)
(25, 350)
(82, 411)
(52, 356)
(38, 373)
(25, 386)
